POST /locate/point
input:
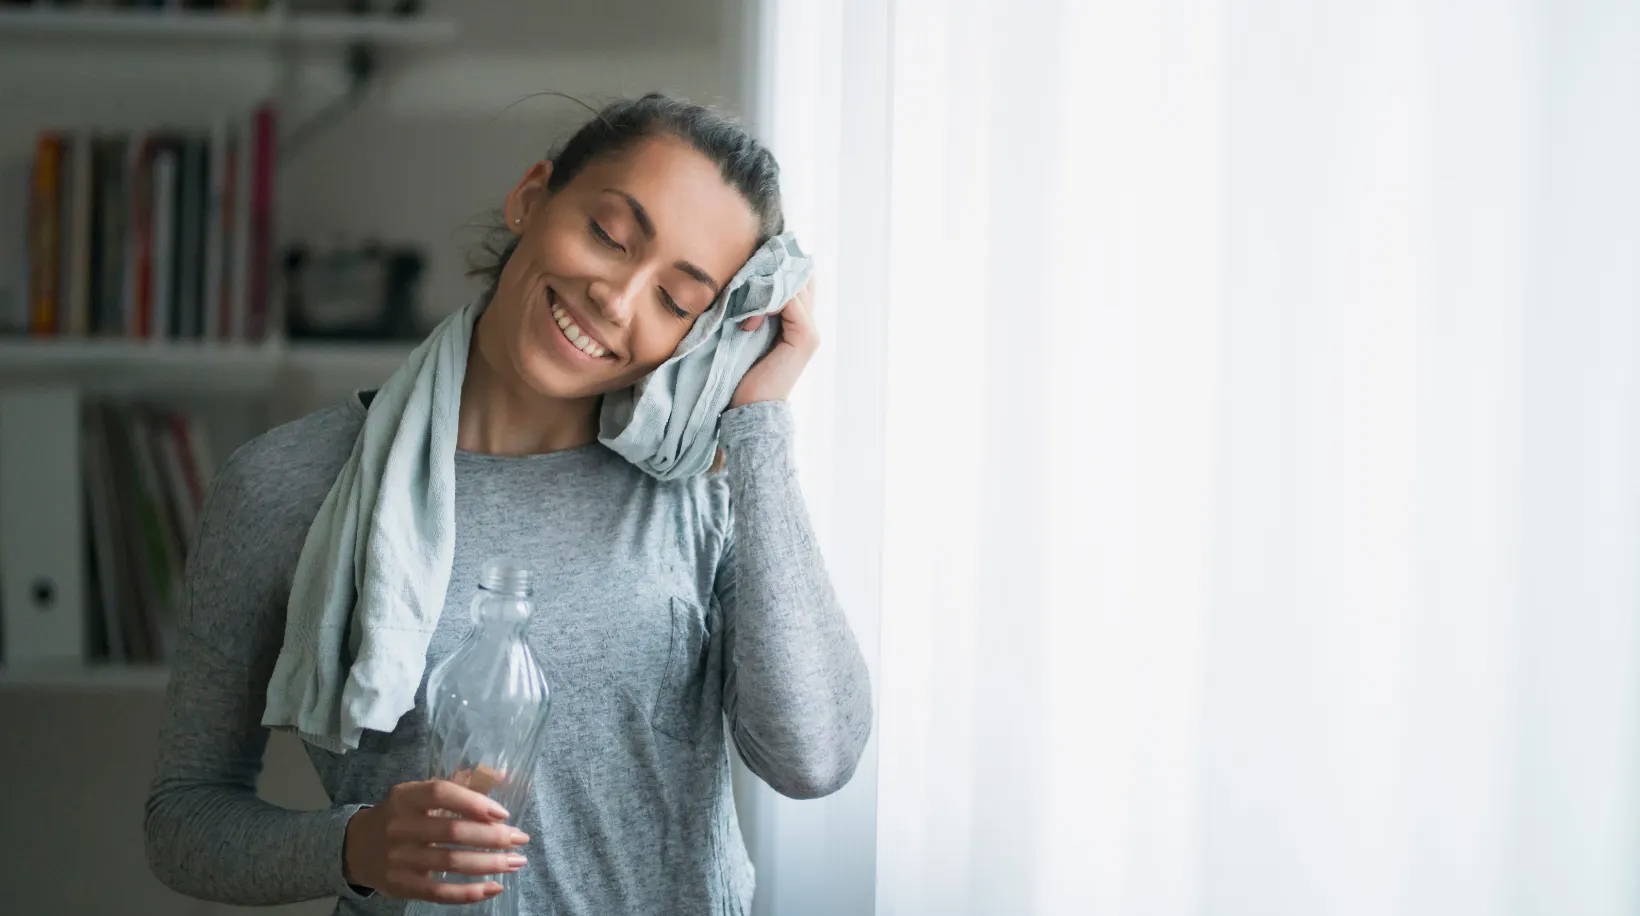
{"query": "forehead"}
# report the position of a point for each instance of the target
(697, 215)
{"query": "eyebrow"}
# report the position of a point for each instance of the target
(648, 227)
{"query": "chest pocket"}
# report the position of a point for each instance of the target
(680, 701)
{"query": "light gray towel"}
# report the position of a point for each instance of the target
(376, 562)
(667, 423)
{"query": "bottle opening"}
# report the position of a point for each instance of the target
(507, 576)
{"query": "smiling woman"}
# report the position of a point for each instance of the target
(615, 252)
(605, 238)
(672, 612)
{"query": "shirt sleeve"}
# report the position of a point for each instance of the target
(797, 693)
(208, 835)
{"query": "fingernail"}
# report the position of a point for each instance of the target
(520, 836)
(515, 862)
(494, 888)
(496, 811)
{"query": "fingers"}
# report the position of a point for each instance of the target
(419, 887)
(423, 859)
(454, 830)
(798, 327)
(397, 851)
(433, 794)
(804, 301)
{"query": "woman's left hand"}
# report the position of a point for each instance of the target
(771, 378)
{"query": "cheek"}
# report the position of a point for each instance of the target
(655, 341)
(559, 249)
(659, 339)
(523, 280)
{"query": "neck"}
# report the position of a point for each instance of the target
(500, 415)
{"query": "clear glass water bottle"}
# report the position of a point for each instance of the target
(486, 713)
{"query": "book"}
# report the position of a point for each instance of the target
(143, 627)
(157, 535)
(45, 269)
(232, 257)
(216, 204)
(190, 264)
(199, 456)
(240, 266)
(261, 221)
(162, 244)
(138, 225)
(76, 283)
(113, 583)
(113, 214)
(168, 499)
(179, 495)
(15, 196)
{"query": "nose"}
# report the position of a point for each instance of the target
(616, 297)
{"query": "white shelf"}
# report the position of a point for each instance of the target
(214, 367)
(249, 28)
(137, 366)
(375, 360)
(38, 354)
(70, 675)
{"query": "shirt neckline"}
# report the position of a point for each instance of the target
(355, 403)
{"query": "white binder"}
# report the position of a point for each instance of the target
(42, 534)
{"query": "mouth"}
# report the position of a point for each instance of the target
(572, 336)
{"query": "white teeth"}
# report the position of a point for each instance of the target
(575, 336)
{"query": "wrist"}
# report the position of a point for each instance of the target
(767, 421)
(356, 852)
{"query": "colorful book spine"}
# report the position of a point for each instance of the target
(45, 234)
(261, 221)
(160, 234)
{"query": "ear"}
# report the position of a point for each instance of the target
(525, 199)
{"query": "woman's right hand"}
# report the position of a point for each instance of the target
(389, 846)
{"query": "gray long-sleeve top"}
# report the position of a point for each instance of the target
(664, 608)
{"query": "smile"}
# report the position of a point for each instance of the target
(572, 333)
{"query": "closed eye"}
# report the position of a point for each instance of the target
(666, 299)
(605, 239)
(602, 236)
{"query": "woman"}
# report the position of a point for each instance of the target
(666, 607)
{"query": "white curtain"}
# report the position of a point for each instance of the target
(1228, 436)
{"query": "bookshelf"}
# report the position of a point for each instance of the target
(247, 388)
(233, 389)
(276, 27)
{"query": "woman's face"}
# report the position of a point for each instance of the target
(629, 253)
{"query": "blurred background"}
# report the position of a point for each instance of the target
(1226, 441)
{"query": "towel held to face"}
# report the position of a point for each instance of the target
(371, 578)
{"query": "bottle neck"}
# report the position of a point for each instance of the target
(501, 626)
(504, 611)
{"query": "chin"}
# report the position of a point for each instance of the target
(541, 372)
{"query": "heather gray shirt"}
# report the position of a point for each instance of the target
(664, 609)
